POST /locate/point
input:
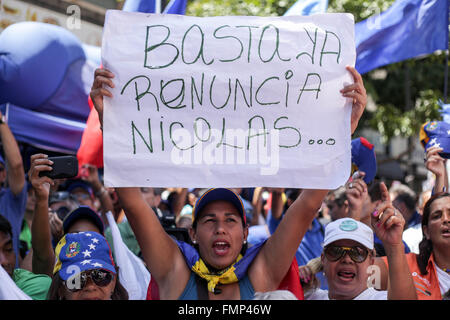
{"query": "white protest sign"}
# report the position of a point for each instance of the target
(227, 101)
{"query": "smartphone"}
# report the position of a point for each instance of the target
(63, 167)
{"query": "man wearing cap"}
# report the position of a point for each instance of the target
(349, 252)
(13, 190)
(89, 188)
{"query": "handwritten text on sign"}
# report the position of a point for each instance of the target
(227, 101)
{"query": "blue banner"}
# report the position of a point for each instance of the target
(409, 28)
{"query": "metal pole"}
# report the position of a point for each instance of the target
(158, 6)
(446, 77)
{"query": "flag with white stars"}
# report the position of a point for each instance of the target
(78, 252)
(436, 134)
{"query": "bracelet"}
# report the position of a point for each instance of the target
(2, 119)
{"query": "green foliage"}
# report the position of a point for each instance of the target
(405, 97)
(208, 8)
(361, 9)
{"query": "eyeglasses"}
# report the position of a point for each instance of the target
(100, 277)
(357, 254)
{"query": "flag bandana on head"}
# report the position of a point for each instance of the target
(436, 134)
(78, 252)
(233, 273)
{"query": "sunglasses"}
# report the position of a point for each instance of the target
(357, 254)
(100, 277)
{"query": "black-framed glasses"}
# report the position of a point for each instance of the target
(100, 277)
(357, 254)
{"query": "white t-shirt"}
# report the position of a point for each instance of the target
(444, 280)
(368, 294)
(412, 236)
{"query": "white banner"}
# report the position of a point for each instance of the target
(227, 101)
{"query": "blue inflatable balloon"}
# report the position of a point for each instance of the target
(43, 68)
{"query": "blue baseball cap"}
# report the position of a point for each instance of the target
(436, 133)
(363, 158)
(83, 212)
(219, 194)
(80, 184)
(78, 252)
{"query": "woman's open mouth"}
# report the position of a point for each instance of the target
(221, 247)
(346, 275)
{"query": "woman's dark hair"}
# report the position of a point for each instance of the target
(119, 293)
(426, 246)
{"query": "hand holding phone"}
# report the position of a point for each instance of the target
(63, 167)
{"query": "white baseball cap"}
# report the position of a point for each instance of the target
(347, 228)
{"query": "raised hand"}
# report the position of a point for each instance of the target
(102, 78)
(41, 185)
(387, 221)
(56, 225)
(356, 194)
(434, 162)
(89, 173)
(357, 92)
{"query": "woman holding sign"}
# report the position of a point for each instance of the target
(219, 265)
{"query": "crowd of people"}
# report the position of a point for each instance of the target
(74, 239)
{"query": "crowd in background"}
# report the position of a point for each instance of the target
(44, 220)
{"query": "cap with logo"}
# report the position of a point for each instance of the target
(82, 251)
(436, 133)
(348, 229)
